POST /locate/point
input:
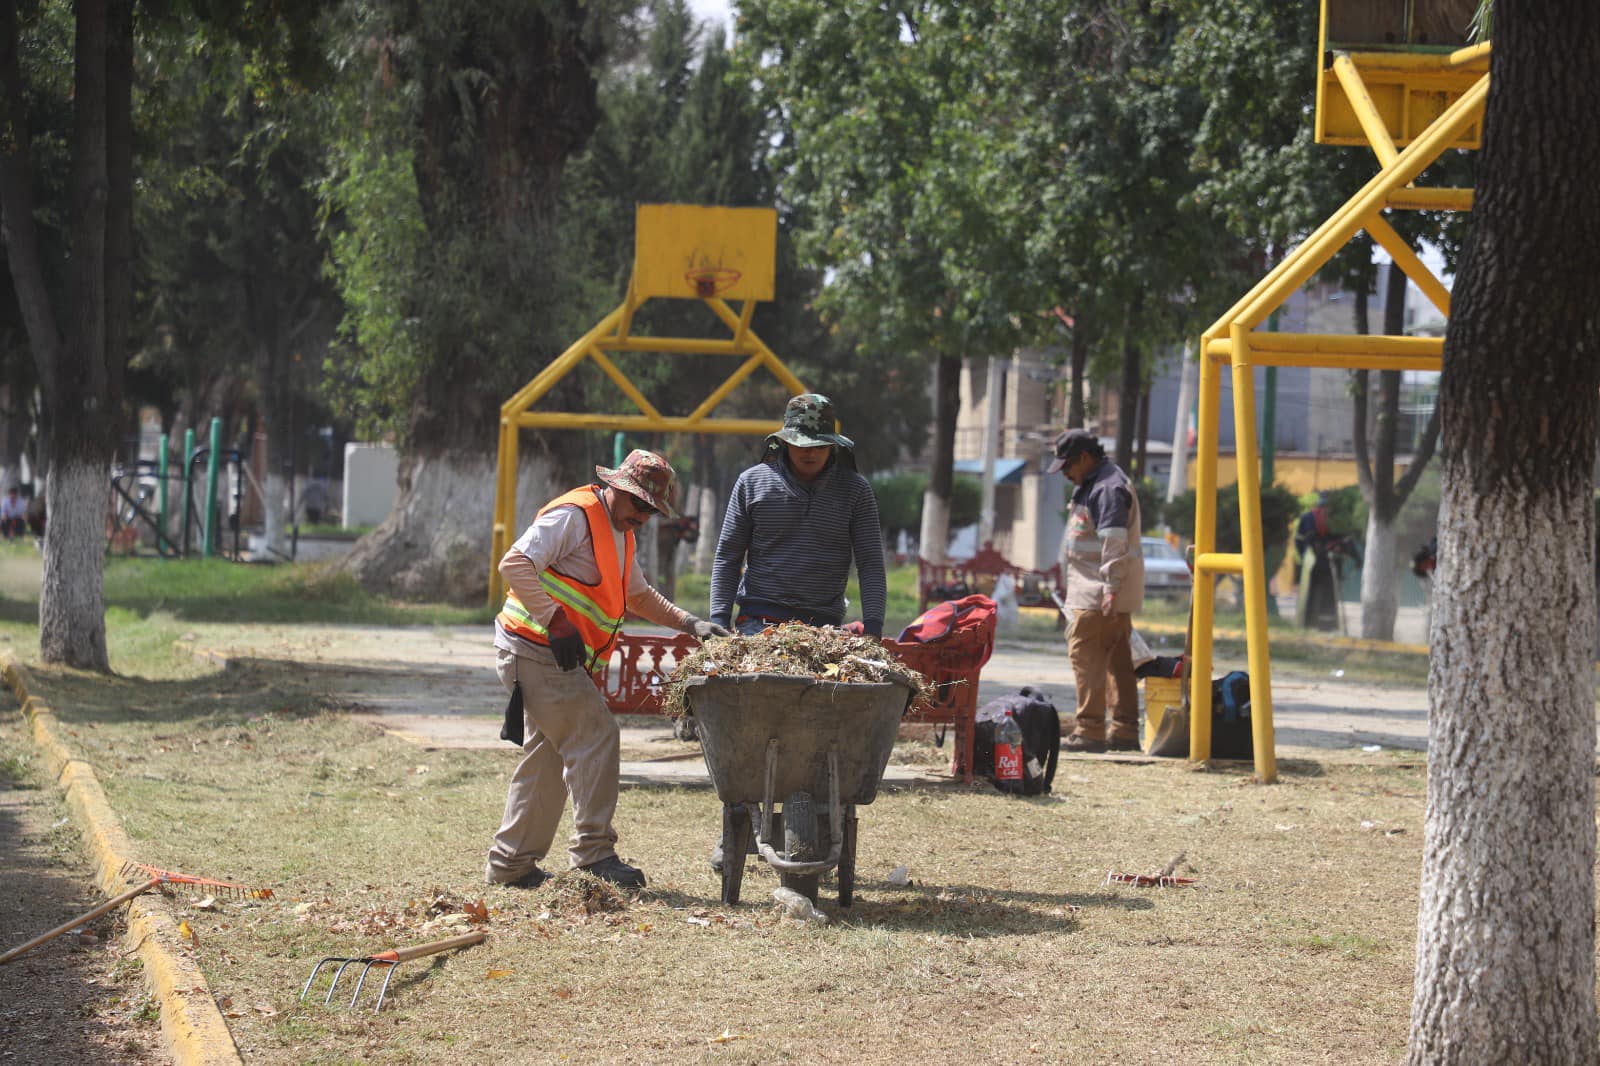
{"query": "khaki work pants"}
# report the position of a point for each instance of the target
(1102, 669)
(573, 747)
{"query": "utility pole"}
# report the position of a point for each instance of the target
(1178, 475)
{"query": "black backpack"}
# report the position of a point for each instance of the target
(1231, 736)
(1041, 741)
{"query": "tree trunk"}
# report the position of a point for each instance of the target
(435, 543)
(1080, 362)
(1505, 966)
(72, 606)
(81, 367)
(1128, 394)
(941, 476)
(1380, 574)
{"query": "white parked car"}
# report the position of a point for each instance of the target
(1166, 575)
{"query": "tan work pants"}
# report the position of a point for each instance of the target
(573, 747)
(1097, 645)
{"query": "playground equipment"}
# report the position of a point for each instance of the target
(142, 494)
(1399, 77)
(681, 252)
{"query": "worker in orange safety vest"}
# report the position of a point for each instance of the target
(571, 578)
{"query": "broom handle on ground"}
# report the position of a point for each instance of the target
(74, 923)
(431, 948)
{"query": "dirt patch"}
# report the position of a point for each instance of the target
(75, 999)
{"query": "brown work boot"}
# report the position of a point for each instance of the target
(1123, 744)
(1083, 744)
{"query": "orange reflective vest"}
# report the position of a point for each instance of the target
(596, 610)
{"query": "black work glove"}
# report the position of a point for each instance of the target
(872, 629)
(565, 643)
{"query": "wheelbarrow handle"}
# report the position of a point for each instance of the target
(431, 948)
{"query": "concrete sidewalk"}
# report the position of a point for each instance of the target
(437, 688)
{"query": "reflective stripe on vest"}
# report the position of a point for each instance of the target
(596, 611)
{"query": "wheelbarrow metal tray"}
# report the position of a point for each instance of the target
(738, 714)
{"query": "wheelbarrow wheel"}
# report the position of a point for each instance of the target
(735, 846)
(847, 859)
(802, 842)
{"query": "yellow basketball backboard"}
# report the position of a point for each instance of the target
(689, 252)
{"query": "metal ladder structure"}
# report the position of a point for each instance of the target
(1410, 102)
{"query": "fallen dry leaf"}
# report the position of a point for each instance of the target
(563, 993)
(207, 904)
(264, 1010)
(728, 1036)
(187, 932)
(494, 974)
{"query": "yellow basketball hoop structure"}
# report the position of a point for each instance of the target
(1399, 77)
(681, 251)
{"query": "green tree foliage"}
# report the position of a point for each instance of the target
(1279, 509)
(900, 501)
(230, 280)
(454, 123)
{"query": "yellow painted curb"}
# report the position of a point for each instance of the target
(191, 1024)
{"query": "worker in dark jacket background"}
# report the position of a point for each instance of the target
(1102, 563)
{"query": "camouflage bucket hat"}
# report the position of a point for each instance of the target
(647, 476)
(808, 423)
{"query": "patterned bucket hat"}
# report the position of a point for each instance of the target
(647, 476)
(808, 423)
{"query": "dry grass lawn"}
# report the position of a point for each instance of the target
(1006, 946)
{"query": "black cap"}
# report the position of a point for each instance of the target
(1069, 446)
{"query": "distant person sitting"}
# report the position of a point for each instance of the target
(13, 514)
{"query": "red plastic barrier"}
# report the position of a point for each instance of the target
(634, 677)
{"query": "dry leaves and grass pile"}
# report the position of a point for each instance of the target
(795, 650)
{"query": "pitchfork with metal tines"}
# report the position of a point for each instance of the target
(387, 959)
(155, 878)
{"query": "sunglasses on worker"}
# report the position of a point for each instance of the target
(639, 505)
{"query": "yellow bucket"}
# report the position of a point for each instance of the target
(1161, 696)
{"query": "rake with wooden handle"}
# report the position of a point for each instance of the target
(157, 878)
(388, 959)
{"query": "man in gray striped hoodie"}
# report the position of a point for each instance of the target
(795, 522)
(1102, 563)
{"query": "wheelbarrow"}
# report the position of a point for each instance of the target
(819, 747)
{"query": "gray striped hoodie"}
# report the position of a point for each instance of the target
(794, 544)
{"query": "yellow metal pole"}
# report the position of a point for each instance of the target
(746, 313)
(748, 367)
(615, 373)
(1470, 54)
(558, 368)
(1333, 234)
(644, 424)
(1205, 543)
(1310, 255)
(1332, 344)
(505, 507)
(689, 345)
(630, 304)
(1255, 571)
(1430, 198)
(783, 374)
(1406, 259)
(1355, 90)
